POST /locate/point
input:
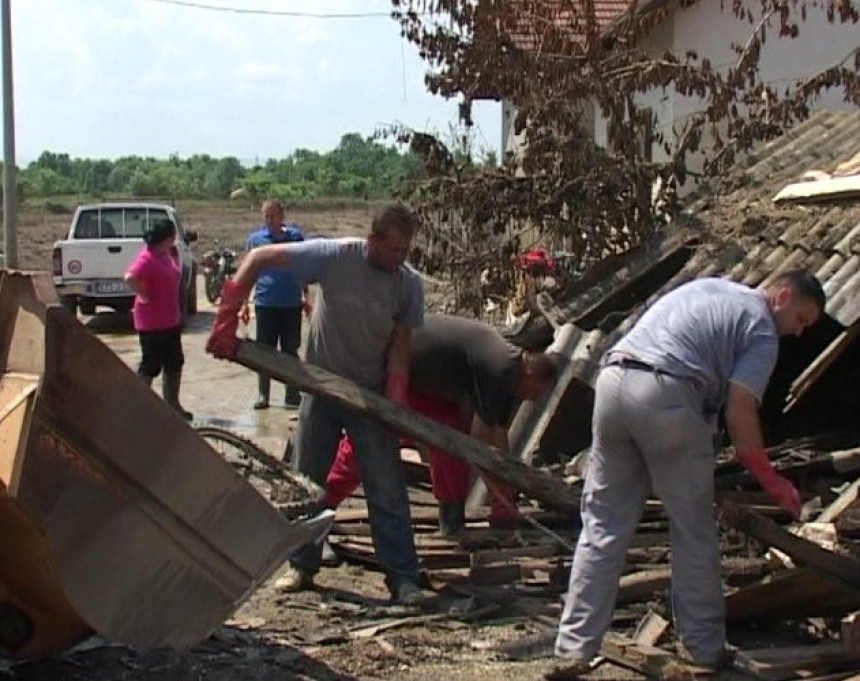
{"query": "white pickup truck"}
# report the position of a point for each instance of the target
(89, 264)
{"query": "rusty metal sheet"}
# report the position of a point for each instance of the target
(150, 537)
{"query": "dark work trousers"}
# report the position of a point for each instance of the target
(279, 327)
(161, 350)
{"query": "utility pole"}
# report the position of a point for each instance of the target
(10, 184)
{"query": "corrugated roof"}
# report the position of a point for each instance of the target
(746, 237)
(743, 235)
(775, 237)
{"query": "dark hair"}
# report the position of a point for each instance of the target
(547, 366)
(397, 216)
(157, 231)
(804, 284)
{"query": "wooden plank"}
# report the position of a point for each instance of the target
(486, 575)
(285, 368)
(793, 594)
(489, 556)
(841, 567)
(643, 584)
(650, 629)
(655, 663)
(780, 664)
(840, 504)
(814, 371)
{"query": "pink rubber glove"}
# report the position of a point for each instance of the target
(397, 389)
(780, 488)
(222, 340)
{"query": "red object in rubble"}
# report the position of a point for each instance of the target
(536, 261)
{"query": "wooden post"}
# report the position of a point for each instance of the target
(312, 379)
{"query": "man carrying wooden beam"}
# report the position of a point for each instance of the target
(462, 373)
(367, 305)
(706, 344)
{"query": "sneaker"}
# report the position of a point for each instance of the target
(294, 580)
(293, 398)
(407, 593)
(261, 403)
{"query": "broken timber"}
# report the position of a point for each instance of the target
(312, 379)
(843, 568)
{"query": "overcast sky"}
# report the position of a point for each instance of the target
(107, 78)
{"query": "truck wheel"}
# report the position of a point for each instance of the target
(88, 307)
(70, 303)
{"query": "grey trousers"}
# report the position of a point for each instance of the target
(648, 434)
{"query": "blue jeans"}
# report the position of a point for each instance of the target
(378, 456)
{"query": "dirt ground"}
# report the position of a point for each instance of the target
(316, 635)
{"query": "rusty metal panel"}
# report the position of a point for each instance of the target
(152, 538)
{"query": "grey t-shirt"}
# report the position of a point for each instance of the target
(357, 307)
(454, 358)
(711, 331)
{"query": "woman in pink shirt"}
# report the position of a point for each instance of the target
(155, 276)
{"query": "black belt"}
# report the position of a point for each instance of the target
(631, 363)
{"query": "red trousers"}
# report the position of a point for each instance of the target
(451, 476)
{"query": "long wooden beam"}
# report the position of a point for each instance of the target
(534, 483)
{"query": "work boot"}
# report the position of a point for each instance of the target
(263, 392)
(294, 580)
(170, 382)
(452, 518)
(406, 593)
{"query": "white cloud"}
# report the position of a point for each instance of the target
(260, 71)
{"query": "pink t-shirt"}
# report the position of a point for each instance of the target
(160, 274)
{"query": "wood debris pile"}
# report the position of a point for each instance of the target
(792, 588)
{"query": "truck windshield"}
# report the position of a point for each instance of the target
(107, 223)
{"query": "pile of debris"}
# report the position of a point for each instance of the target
(793, 589)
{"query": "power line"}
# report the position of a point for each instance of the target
(278, 13)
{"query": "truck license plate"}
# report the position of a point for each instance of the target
(111, 286)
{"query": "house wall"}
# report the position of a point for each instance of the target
(784, 61)
(710, 31)
(658, 42)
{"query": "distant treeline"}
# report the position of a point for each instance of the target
(358, 167)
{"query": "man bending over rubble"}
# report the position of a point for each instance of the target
(708, 343)
(367, 305)
(463, 374)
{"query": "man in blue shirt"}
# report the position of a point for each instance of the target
(278, 300)
(707, 344)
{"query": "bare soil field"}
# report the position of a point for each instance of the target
(345, 628)
(228, 222)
